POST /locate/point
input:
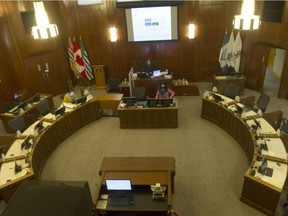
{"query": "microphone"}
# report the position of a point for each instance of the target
(17, 168)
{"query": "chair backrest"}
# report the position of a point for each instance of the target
(263, 101)
(43, 107)
(113, 85)
(8, 105)
(248, 101)
(139, 93)
(274, 118)
(18, 123)
(284, 138)
(231, 90)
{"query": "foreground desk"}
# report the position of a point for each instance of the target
(54, 133)
(259, 191)
(162, 117)
(143, 172)
(221, 81)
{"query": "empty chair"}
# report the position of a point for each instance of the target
(231, 90)
(113, 86)
(262, 102)
(18, 123)
(43, 107)
(8, 105)
(139, 93)
(274, 118)
(248, 101)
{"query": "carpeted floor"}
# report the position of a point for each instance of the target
(209, 163)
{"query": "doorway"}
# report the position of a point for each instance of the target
(273, 72)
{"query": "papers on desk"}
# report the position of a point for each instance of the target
(101, 204)
(70, 105)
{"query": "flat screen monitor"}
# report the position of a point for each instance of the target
(239, 109)
(156, 73)
(39, 126)
(159, 102)
(26, 144)
(36, 98)
(152, 23)
(118, 184)
(262, 168)
(129, 101)
(60, 111)
(216, 97)
(257, 123)
(81, 100)
(22, 105)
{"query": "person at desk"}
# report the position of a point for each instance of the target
(69, 97)
(164, 92)
(146, 66)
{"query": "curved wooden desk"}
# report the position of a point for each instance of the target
(55, 131)
(259, 191)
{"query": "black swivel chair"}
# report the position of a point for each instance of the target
(8, 105)
(231, 90)
(18, 123)
(139, 93)
(263, 102)
(113, 86)
(43, 107)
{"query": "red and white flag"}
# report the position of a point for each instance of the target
(78, 60)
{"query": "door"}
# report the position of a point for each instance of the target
(256, 68)
(45, 74)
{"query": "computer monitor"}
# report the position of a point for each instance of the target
(36, 97)
(262, 168)
(156, 73)
(239, 109)
(257, 123)
(22, 105)
(60, 111)
(152, 102)
(217, 98)
(81, 100)
(129, 101)
(39, 126)
(159, 102)
(118, 184)
(26, 144)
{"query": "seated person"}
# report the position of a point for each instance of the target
(146, 66)
(69, 97)
(164, 92)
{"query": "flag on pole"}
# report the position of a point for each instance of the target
(71, 58)
(87, 65)
(237, 50)
(79, 63)
(223, 54)
(230, 50)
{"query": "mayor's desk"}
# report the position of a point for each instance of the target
(143, 172)
(260, 191)
(159, 117)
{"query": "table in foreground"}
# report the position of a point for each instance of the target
(143, 172)
(160, 117)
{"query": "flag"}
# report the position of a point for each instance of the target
(230, 50)
(237, 48)
(223, 54)
(79, 63)
(71, 58)
(87, 65)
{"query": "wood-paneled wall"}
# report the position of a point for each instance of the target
(195, 60)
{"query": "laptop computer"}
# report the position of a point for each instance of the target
(119, 192)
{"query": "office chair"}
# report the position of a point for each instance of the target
(8, 105)
(43, 107)
(113, 86)
(248, 101)
(139, 93)
(231, 90)
(262, 102)
(18, 123)
(274, 118)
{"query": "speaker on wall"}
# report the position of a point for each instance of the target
(273, 11)
(28, 20)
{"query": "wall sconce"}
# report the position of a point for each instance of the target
(44, 29)
(113, 34)
(247, 20)
(191, 31)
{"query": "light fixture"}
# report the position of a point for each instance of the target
(113, 34)
(44, 29)
(191, 31)
(247, 20)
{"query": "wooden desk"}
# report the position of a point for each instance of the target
(186, 90)
(142, 171)
(164, 117)
(30, 114)
(54, 133)
(260, 192)
(109, 101)
(221, 81)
